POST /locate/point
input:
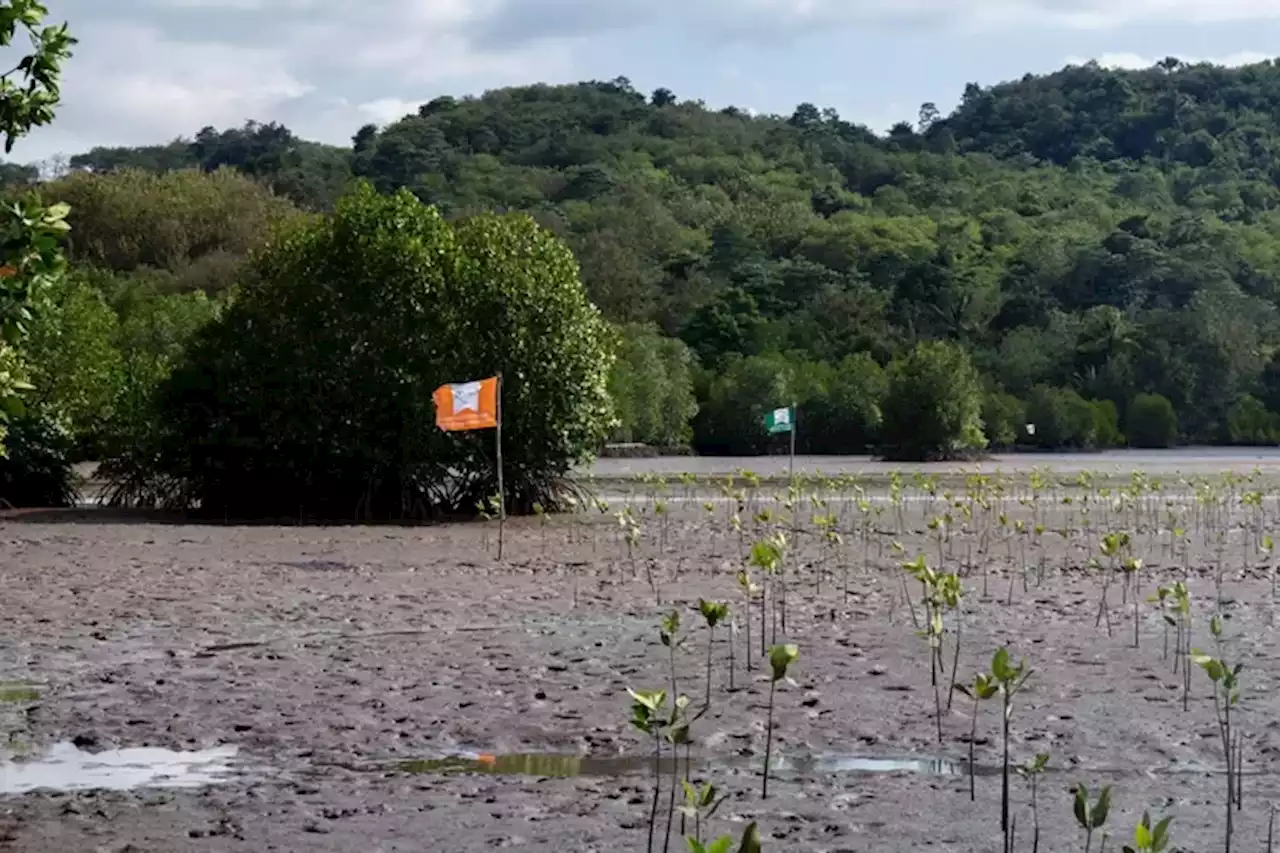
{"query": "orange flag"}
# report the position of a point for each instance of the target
(467, 405)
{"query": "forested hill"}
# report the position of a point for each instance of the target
(1089, 236)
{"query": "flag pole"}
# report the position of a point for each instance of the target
(502, 494)
(795, 417)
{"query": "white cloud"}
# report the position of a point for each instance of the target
(157, 69)
(159, 85)
(1136, 62)
(150, 70)
(386, 110)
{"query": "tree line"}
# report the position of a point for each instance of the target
(1092, 251)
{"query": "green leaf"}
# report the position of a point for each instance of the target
(1214, 669)
(1000, 665)
(720, 845)
(1142, 833)
(1102, 808)
(651, 700)
(781, 657)
(750, 839)
(1081, 806)
(1160, 837)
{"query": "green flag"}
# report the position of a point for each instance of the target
(779, 420)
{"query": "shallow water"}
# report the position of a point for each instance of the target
(554, 765)
(65, 767)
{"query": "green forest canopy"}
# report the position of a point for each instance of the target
(1090, 237)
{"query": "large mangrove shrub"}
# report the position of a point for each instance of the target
(933, 406)
(311, 393)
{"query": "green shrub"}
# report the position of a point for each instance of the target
(933, 405)
(1151, 422)
(840, 411)
(1106, 424)
(1004, 419)
(76, 368)
(1062, 418)
(37, 471)
(1249, 422)
(311, 393)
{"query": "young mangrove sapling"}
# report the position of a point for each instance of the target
(780, 658)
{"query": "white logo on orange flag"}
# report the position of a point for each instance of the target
(467, 405)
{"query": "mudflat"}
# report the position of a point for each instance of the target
(339, 664)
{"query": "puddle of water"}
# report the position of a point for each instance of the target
(919, 766)
(65, 767)
(551, 765)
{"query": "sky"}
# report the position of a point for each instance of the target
(148, 71)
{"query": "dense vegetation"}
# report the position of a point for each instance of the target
(312, 393)
(1102, 246)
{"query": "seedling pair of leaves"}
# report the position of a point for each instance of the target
(1091, 816)
(713, 612)
(1148, 839)
(701, 803)
(750, 842)
(1031, 772)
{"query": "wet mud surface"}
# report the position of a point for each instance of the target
(339, 663)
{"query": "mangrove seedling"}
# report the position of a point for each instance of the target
(1114, 547)
(1010, 679)
(918, 569)
(766, 555)
(1149, 839)
(1132, 566)
(1175, 600)
(1226, 695)
(950, 594)
(780, 658)
(677, 734)
(714, 613)
(668, 633)
(749, 589)
(646, 715)
(1091, 816)
(982, 689)
(700, 803)
(1031, 771)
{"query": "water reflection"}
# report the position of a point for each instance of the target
(65, 767)
(553, 765)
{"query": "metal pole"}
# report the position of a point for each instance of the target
(502, 493)
(795, 416)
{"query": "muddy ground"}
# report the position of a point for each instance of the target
(331, 655)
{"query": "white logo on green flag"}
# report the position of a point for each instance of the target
(779, 420)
